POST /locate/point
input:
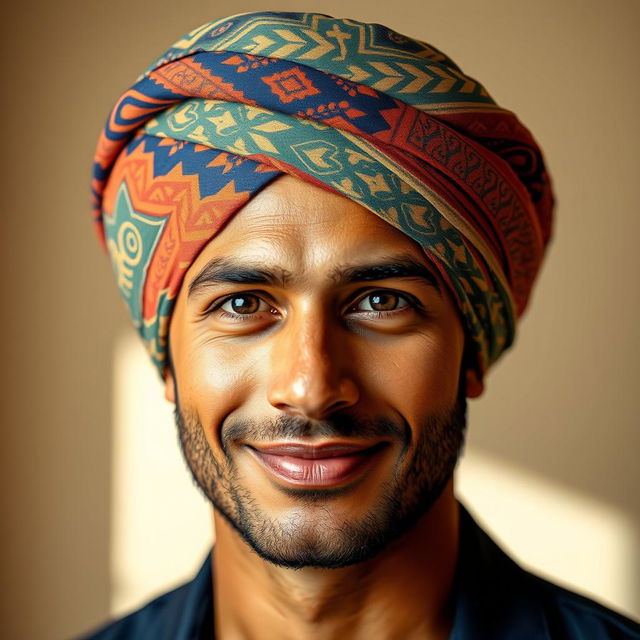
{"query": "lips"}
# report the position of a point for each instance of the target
(315, 466)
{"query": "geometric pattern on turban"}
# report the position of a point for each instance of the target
(356, 108)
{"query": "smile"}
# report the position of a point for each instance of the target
(314, 466)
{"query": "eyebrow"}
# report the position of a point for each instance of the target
(403, 266)
(229, 271)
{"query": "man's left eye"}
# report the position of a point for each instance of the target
(382, 301)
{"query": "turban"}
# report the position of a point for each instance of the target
(356, 108)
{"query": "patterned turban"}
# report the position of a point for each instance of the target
(356, 108)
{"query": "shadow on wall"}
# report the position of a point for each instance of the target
(546, 523)
(562, 406)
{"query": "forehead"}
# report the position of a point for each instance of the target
(306, 230)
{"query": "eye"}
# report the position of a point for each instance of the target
(241, 304)
(381, 301)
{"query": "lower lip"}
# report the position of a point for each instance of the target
(317, 472)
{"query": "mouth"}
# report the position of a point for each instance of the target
(321, 465)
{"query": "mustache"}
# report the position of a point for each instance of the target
(290, 427)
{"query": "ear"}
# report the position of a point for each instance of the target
(169, 386)
(475, 385)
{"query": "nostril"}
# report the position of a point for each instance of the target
(283, 406)
(337, 406)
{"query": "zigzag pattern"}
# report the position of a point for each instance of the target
(328, 157)
(246, 131)
(161, 206)
(357, 108)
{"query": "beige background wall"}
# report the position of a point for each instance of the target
(563, 404)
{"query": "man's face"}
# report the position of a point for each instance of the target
(316, 363)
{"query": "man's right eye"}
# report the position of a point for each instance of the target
(242, 304)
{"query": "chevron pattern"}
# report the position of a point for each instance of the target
(353, 50)
(384, 119)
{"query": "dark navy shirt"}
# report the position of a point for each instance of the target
(495, 600)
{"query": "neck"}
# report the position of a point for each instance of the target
(403, 592)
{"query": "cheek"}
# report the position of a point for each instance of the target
(216, 379)
(416, 375)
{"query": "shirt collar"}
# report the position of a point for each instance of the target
(492, 593)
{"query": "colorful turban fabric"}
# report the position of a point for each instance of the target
(355, 108)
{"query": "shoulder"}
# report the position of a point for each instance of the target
(147, 622)
(184, 612)
(575, 617)
(500, 600)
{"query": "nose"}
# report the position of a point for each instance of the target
(308, 374)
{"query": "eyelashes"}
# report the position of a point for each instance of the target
(383, 301)
(241, 307)
(374, 304)
(244, 304)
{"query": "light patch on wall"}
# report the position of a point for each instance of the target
(581, 543)
(160, 523)
(161, 528)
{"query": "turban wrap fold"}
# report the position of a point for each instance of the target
(356, 108)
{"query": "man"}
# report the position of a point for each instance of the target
(325, 232)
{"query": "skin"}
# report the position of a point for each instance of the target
(311, 349)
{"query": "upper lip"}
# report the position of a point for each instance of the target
(310, 451)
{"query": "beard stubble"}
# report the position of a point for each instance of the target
(297, 541)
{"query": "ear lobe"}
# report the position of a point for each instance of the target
(169, 386)
(475, 385)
